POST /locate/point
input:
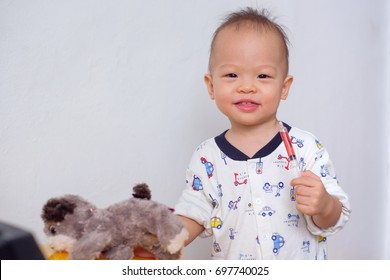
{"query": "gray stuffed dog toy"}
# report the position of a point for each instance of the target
(86, 232)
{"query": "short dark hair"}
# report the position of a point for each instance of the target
(260, 19)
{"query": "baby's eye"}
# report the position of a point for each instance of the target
(52, 230)
(263, 76)
(231, 75)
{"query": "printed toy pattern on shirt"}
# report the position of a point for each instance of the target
(248, 205)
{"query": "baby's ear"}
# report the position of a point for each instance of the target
(286, 87)
(208, 80)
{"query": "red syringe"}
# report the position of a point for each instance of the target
(294, 165)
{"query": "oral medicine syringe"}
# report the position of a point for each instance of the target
(294, 164)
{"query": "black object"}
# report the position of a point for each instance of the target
(18, 244)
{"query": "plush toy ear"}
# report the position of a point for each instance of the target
(142, 191)
(56, 209)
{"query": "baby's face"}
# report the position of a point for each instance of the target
(248, 74)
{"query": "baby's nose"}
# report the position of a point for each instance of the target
(247, 87)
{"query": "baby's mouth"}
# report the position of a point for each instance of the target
(247, 105)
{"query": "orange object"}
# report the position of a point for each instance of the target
(142, 254)
(60, 255)
(139, 254)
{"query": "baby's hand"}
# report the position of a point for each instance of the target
(313, 200)
(311, 195)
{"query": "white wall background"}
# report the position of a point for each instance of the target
(96, 96)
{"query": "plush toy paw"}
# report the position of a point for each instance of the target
(177, 243)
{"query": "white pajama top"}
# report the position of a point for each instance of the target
(248, 205)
